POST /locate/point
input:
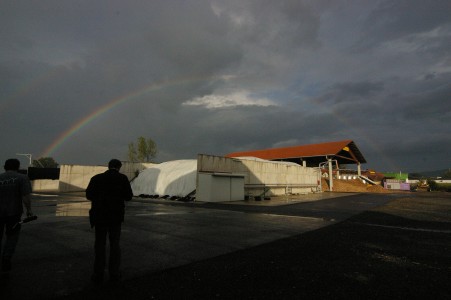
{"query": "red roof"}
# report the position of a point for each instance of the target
(314, 150)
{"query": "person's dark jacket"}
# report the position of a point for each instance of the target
(108, 192)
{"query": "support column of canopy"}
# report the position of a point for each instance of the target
(331, 181)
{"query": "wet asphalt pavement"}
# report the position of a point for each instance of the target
(55, 253)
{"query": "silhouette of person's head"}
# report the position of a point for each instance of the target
(115, 164)
(12, 164)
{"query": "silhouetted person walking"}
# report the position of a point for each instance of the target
(108, 192)
(15, 190)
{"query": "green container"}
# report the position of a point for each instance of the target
(398, 176)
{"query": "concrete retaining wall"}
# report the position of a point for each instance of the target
(75, 178)
(260, 176)
(45, 185)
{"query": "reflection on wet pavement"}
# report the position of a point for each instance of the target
(77, 209)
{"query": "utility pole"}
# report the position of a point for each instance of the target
(27, 155)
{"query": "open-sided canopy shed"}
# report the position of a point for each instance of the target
(345, 152)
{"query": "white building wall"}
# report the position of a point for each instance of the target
(213, 187)
(442, 180)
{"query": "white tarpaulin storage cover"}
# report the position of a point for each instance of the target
(173, 178)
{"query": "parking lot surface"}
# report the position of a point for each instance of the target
(55, 253)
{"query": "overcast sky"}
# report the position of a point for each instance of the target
(80, 80)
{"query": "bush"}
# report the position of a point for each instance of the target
(441, 187)
(433, 186)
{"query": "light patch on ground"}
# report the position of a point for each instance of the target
(433, 208)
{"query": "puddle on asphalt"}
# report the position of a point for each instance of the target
(77, 209)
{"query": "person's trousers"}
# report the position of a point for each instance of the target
(12, 235)
(113, 231)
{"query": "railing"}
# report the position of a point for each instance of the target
(267, 187)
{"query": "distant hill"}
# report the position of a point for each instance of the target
(435, 173)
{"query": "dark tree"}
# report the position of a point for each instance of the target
(45, 162)
(145, 150)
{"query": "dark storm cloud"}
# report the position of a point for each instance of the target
(351, 92)
(221, 76)
(279, 25)
(431, 105)
(396, 19)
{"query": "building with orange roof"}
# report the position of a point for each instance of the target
(342, 152)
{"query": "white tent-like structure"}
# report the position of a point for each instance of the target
(173, 178)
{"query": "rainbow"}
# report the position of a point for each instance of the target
(83, 122)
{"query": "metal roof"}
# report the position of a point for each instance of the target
(345, 152)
